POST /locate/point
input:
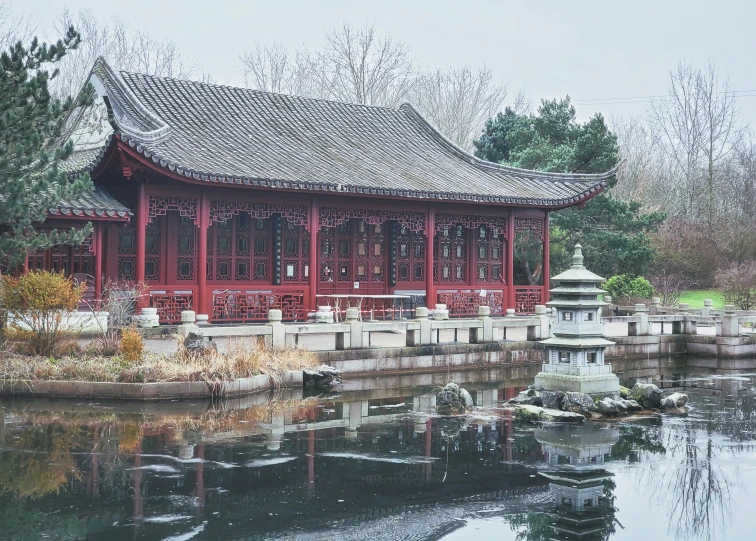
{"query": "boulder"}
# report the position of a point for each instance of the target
(578, 403)
(647, 395)
(197, 344)
(453, 399)
(529, 397)
(675, 400)
(322, 377)
(631, 405)
(609, 407)
(535, 413)
(552, 399)
(624, 391)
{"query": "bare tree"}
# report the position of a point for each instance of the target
(695, 127)
(126, 48)
(359, 66)
(636, 180)
(274, 68)
(459, 101)
(13, 28)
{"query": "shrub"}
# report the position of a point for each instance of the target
(119, 300)
(623, 286)
(132, 345)
(669, 287)
(37, 302)
(738, 285)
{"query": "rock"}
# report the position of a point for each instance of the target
(453, 399)
(631, 405)
(561, 416)
(578, 403)
(530, 397)
(675, 400)
(624, 391)
(322, 377)
(647, 395)
(535, 413)
(608, 407)
(552, 399)
(196, 343)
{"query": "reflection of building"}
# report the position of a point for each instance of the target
(577, 480)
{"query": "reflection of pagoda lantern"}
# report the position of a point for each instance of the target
(578, 479)
(575, 354)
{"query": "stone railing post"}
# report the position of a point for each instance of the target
(641, 310)
(655, 305)
(708, 305)
(188, 318)
(278, 336)
(356, 339)
(730, 321)
(423, 338)
(542, 313)
(606, 311)
(482, 334)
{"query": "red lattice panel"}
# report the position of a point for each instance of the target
(159, 205)
(170, 304)
(527, 298)
(246, 306)
(446, 221)
(332, 217)
(221, 211)
(529, 224)
(466, 303)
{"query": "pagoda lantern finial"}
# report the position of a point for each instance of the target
(577, 258)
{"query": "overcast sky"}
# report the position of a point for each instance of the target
(587, 49)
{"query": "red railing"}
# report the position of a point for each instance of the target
(171, 302)
(466, 302)
(245, 305)
(528, 297)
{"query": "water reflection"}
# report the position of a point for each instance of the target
(375, 464)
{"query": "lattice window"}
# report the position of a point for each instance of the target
(160, 205)
(186, 248)
(410, 255)
(127, 268)
(239, 250)
(529, 224)
(489, 255)
(450, 248)
(333, 217)
(295, 246)
(152, 268)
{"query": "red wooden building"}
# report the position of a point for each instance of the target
(231, 201)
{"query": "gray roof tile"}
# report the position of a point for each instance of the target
(233, 135)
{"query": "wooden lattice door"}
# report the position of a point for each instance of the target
(353, 258)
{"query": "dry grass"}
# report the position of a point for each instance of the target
(241, 359)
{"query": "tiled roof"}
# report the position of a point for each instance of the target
(231, 135)
(97, 203)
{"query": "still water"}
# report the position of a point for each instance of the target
(373, 463)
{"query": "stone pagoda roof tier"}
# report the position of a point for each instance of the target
(579, 342)
(221, 134)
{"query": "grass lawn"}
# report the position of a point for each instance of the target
(696, 298)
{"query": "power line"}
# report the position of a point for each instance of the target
(651, 98)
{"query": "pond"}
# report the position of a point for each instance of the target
(373, 463)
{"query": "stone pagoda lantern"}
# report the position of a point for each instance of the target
(575, 352)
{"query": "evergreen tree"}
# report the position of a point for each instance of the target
(614, 233)
(33, 147)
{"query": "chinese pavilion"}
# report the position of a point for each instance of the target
(230, 201)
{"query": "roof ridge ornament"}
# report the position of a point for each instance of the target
(577, 258)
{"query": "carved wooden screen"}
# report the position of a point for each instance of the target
(83, 258)
(296, 250)
(126, 269)
(185, 235)
(239, 250)
(353, 251)
(59, 258)
(489, 255)
(450, 249)
(410, 254)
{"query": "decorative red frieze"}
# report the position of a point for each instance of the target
(222, 211)
(446, 221)
(529, 224)
(253, 306)
(159, 205)
(527, 298)
(332, 217)
(466, 303)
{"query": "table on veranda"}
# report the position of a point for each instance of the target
(342, 301)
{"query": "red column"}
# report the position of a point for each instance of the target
(204, 222)
(510, 261)
(98, 262)
(546, 270)
(430, 232)
(313, 271)
(141, 231)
